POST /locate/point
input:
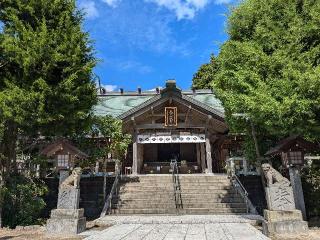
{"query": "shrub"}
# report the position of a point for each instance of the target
(23, 201)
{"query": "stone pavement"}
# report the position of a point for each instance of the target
(214, 231)
(215, 227)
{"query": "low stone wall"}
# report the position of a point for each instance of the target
(253, 185)
(91, 195)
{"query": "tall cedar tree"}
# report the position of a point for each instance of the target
(270, 67)
(46, 63)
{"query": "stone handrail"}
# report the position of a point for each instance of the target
(108, 203)
(176, 184)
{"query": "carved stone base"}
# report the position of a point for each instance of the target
(283, 222)
(66, 221)
(280, 197)
(68, 198)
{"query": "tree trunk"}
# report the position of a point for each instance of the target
(8, 148)
(8, 158)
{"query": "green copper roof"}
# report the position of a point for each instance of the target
(208, 99)
(116, 104)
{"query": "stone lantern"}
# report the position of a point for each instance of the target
(292, 150)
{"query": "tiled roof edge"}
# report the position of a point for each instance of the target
(204, 106)
(154, 93)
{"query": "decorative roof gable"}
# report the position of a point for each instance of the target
(123, 104)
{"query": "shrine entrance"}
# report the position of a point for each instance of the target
(175, 125)
(157, 157)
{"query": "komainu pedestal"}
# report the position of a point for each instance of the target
(281, 217)
(283, 222)
(68, 219)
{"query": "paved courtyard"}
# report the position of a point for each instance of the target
(214, 231)
(190, 227)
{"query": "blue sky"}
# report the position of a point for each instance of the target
(141, 43)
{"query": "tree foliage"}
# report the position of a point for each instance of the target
(46, 63)
(115, 143)
(269, 68)
(23, 203)
(111, 129)
(205, 75)
(45, 81)
(45, 73)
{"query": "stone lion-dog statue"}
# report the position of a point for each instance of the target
(73, 180)
(272, 176)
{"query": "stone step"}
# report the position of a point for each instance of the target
(184, 191)
(191, 196)
(201, 194)
(184, 200)
(181, 211)
(130, 205)
(160, 184)
(170, 188)
(183, 180)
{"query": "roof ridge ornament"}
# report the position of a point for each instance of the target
(171, 86)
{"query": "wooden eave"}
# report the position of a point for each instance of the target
(293, 142)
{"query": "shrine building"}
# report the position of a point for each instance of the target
(167, 124)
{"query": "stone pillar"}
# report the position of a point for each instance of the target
(296, 184)
(96, 168)
(68, 219)
(245, 166)
(203, 157)
(63, 175)
(208, 155)
(135, 157)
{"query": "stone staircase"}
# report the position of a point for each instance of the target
(201, 194)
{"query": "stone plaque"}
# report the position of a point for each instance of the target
(280, 197)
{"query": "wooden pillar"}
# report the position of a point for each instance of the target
(208, 155)
(198, 154)
(203, 157)
(135, 157)
(140, 158)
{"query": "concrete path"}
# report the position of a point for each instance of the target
(188, 227)
(212, 231)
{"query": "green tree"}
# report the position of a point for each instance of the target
(46, 66)
(269, 68)
(205, 75)
(23, 203)
(117, 144)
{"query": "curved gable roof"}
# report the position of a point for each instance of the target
(121, 105)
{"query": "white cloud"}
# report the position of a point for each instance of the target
(134, 66)
(183, 9)
(111, 3)
(89, 8)
(136, 26)
(222, 1)
(109, 88)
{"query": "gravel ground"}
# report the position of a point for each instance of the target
(38, 233)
